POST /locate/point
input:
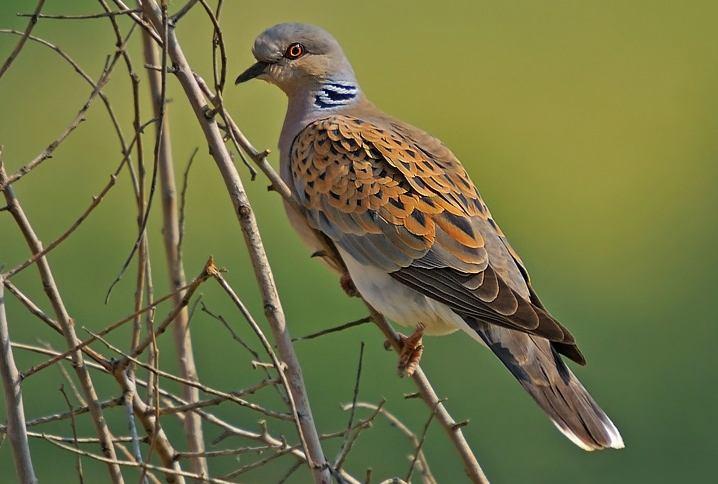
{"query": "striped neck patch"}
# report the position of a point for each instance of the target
(333, 94)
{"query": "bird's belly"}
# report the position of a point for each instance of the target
(400, 303)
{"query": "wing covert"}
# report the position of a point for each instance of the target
(396, 198)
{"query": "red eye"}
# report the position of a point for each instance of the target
(294, 51)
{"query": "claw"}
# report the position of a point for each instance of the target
(411, 351)
(348, 285)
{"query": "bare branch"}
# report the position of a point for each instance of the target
(183, 11)
(352, 433)
(226, 452)
(341, 327)
(471, 464)
(14, 407)
(82, 345)
(183, 200)
(79, 440)
(146, 26)
(151, 424)
(113, 402)
(73, 425)
(79, 117)
(214, 401)
(16, 51)
(420, 444)
(232, 332)
(82, 17)
(172, 237)
(346, 445)
(108, 107)
(268, 348)
(177, 474)
(66, 324)
(265, 279)
(96, 200)
(141, 239)
(262, 462)
(194, 384)
(257, 436)
(422, 463)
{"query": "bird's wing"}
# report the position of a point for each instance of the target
(395, 198)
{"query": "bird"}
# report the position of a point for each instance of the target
(417, 241)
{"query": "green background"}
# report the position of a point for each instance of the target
(591, 130)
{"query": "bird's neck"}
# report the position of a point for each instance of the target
(318, 101)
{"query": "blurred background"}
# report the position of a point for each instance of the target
(589, 127)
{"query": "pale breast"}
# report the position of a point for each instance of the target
(400, 303)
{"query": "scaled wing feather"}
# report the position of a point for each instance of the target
(396, 198)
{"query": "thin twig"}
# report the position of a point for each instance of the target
(78, 440)
(422, 463)
(80, 345)
(112, 402)
(79, 118)
(290, 471)
(194, 384)
(146, 26)
(341, 327)
(67, 325)
(96, 200)
(126, 463)
(471, 464)
(344, 450)
(158, 143)
(151, 424)
(108, 107)
(352, 434)
(183, 200)
(214, 401)
(16, 51)
(270, 352)
(262, 462)
(420, 445)
(235, 336)
(183, 11)
(73, 426)
(226, 452)
(82, 17)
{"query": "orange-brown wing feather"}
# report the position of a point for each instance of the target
(396, 198)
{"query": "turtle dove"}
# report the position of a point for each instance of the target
(418, 241)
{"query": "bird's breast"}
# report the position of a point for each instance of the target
(398, 302)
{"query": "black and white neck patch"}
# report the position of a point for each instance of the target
(333, 94)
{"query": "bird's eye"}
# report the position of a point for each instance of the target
(294, 51)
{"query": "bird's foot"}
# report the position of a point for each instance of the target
(412, 348)
(348, 285)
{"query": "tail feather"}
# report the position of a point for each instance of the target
(542, 372)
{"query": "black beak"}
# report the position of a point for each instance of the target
(256, 70)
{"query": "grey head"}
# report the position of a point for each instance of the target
(304, 61)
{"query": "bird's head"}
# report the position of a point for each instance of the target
(297, 57)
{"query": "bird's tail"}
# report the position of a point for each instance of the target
(540, 370)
